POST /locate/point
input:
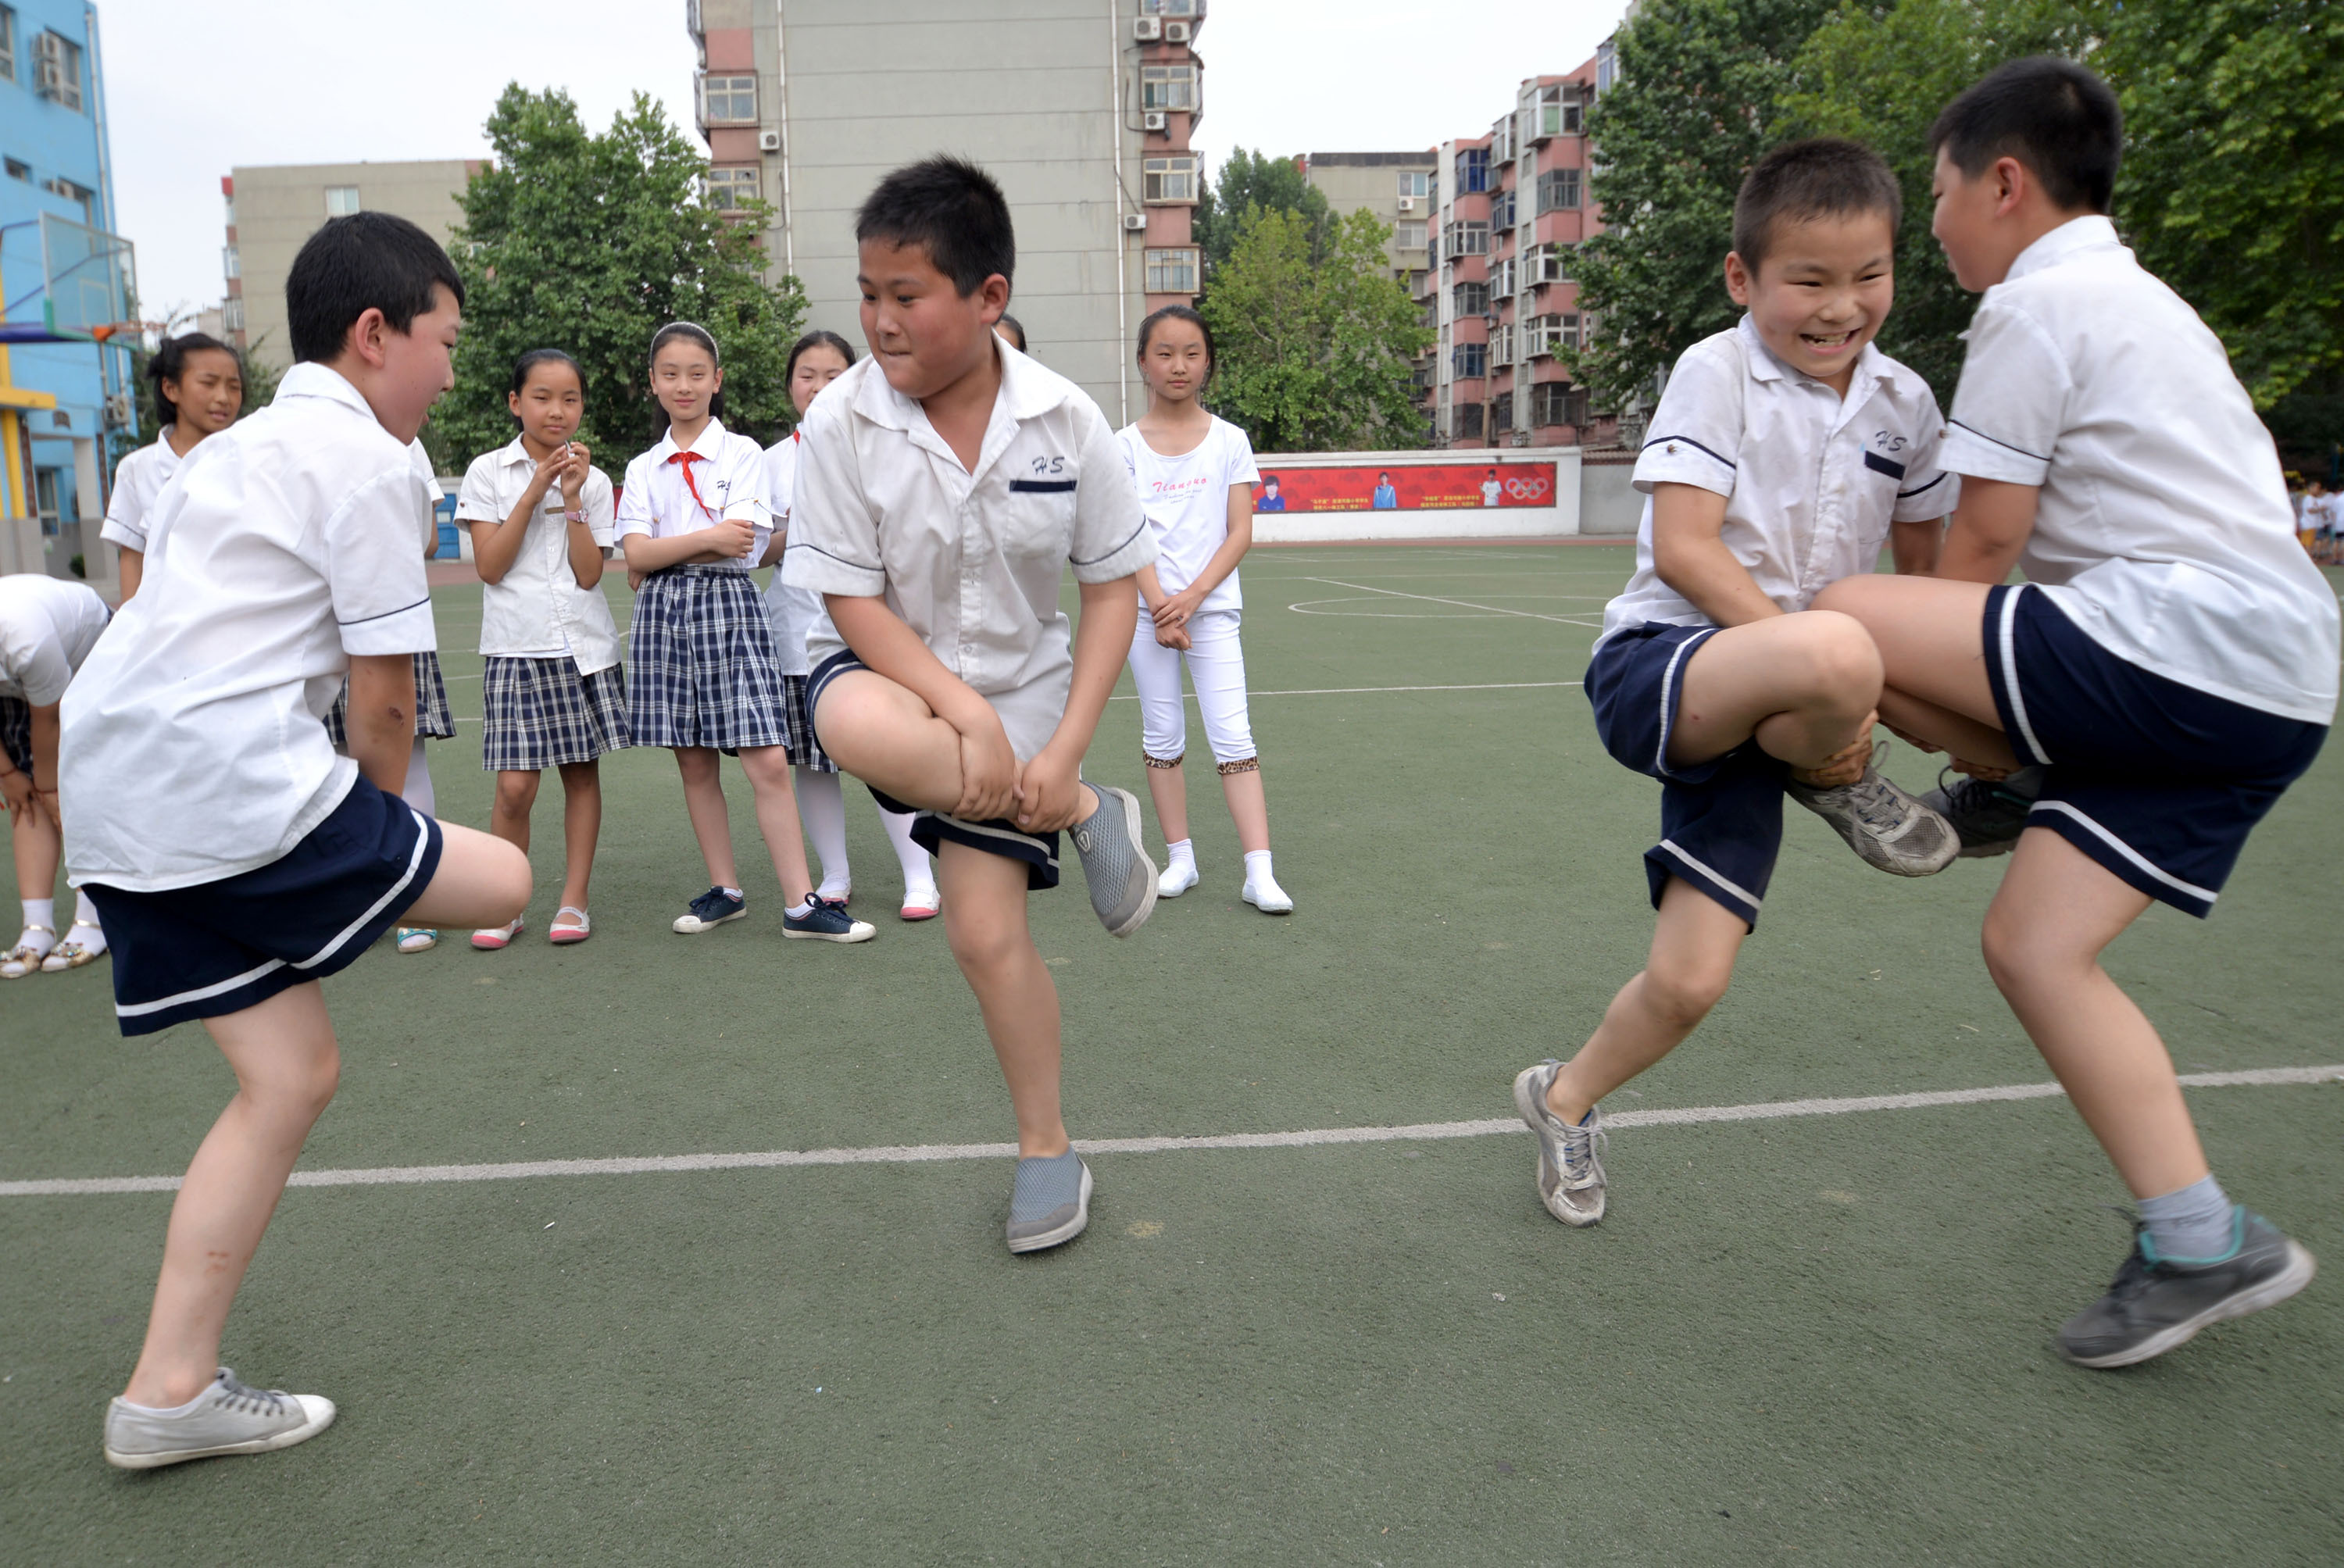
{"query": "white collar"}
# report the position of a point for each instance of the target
(704, 443)
(311, 379)
(1026, 390)
(2094, 231)
(1872, 368)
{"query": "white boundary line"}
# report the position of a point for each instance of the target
(1370, 690)
(1430, 599)
(919, 1154)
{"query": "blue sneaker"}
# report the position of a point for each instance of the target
(827, 921)
(710, 910)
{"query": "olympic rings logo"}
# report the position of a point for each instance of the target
(1526, 489)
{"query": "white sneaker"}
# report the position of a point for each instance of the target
(1264, 894)
(225, 1417)
(1178, 878)
(1893, 830)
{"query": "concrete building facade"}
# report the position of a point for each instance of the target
(1396, 187)
(1083, 112)
(272, 211)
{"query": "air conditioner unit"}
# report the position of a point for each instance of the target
(1408, 203)
(1134, 223)
(49, 78)
(1155, 119)
(1176, 31)
(1147, 29)
(769, 141)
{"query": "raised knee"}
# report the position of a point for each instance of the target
(1682, 999)
(1838, 656)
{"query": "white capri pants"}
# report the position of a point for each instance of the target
(1216, 670)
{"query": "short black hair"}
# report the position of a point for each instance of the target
(170, 362)
(1014, 327)
(1181, 313)
(951, 208)
(1825, 177)
(367, 261)
(2052, 115)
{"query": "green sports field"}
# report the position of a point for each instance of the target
(1815, 1338)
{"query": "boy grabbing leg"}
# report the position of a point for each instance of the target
(1784, 454)
(943, 488)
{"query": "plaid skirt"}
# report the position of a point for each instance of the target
(705, 670)
(541, 712)
(16, 732)
(432, 718)
(806, 746)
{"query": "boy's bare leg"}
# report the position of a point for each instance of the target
(1695, 943)
(515, 798)
(1931, 635)
(481, 881)
(768, 768)
(984, 921)
(1168, 788)
(704, 800)
(885, 735)
(582, 828)
(2056, 913)
(1805, 686)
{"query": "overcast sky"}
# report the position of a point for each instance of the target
(191, 92)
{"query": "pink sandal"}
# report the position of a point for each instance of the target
(497, 937)
(562, 936)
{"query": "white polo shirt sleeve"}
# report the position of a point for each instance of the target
(2012, 402)
(834, 541)
(1112, 539)
(635, 514)
(1696, 432)
(602, 520)
(382, 601)
(476, 498)
(745, 491)
(1928, 490)
(32, 656)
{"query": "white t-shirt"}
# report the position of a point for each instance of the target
(1812, 480)
(728, 481)
(537, 609)
(1186, 500)
(1490, 489)
(795, 612)
(48, 627)
(2162, 528)
(194, 740)
(138, 479)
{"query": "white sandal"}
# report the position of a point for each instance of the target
(72, 954)
(562, 936)
(24, 957)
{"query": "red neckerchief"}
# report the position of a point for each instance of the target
(687, 457)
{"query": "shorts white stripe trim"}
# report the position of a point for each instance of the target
(990, 832)
(1668, 708)
(414, 859)
(2126, 850)
(220, 987)
(2008, 639)
(1738, 891)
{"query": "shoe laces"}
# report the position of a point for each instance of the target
(712, 903)
(240, 1396)
(1582, 1147)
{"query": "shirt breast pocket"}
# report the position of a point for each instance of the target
(1041, 514)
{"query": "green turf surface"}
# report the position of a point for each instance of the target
(1814, 1340)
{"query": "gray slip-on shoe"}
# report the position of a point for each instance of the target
(1051, 1201)
(1115, 863)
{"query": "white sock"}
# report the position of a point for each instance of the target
(93, 935)
(822, 806)
(919, 871)
(731, 891)
(417, 790)
(799, 910)
(40, 912)
(1181, 852)
(1257, 869)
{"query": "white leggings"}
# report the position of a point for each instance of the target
(1216, 670)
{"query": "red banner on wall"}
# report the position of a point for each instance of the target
(1430, 486)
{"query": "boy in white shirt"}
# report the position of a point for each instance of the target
(2170, 665)
(282, 555)
(1783, 454)
(944, 487)
(47, 627)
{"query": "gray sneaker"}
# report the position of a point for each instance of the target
(2157, 1303)
(1121, 879)
(1051, 1201)
(1570, 1163)
(1987, 817)
(1889, 828)
(225, 1417)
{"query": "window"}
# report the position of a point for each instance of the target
(1468, 423)
(1167, 86)
(7, 42)
(728, 100)
(1501, 141)
(1501, 210)
(1415, 283)
(1168, 180)
(1501, 412)
(732, 187)
(1468, 360)
(231, 262)
(1171, 8)
(1549, 263)
(1501, 279)
(1501, 344)
(22, 171)
(80, 196)
(232, 312)
(341, 200)
(1409, 236)
(1172, 271)
(1558, 403)
(1607, 66)
(1558, 190)
(44, 497)
(1415, 182)
(1470, 299)
(1549, 333)
(57, 69)
(1465, 239)
(1472, 171)
(1558, 111)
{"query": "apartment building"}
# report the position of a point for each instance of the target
(1514, 208)
(272, 210)
(1083, 112)
(1396, 187)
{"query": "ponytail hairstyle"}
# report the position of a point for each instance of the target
(533, 360)
(170, 361)
(1180, 313)
(817, 339)
(693, 333)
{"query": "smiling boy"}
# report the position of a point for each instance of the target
(945, 487)
(1784, 454)
(281, 555)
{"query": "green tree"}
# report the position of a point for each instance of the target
(1693, 109)
(1313, 356)
(1248, 181)
(1878, 73)
(590, 244)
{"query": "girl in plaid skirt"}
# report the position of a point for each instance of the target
(544, 521)
(708, 679)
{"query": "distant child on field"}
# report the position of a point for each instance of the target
(946, 483)
(1196, 475)
(692, 520)
(47, 627)
(816, 360)
(237, 860)
(198, 391)
(553, 695)
(1784, 454)
(2165, 670)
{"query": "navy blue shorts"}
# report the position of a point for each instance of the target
(1722, 820)
(2159, 782)
(219, 947)
(931, 830)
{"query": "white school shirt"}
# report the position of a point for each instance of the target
(138, 479)
(971, 562)
(48, 627)
(1490, 493)
(194, 743)
(730, 473)
(1812, 480)
(2162, 528)
(538, 610)
(793, 611)
(1186, 500)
